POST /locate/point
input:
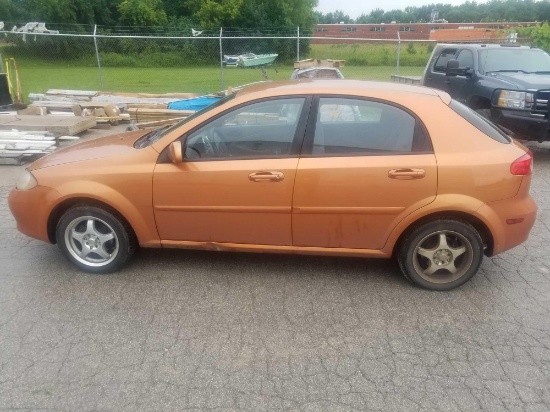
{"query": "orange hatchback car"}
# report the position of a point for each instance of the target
(328, 167)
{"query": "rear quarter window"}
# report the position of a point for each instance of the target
(479, 122)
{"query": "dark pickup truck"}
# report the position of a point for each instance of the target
(508, 84)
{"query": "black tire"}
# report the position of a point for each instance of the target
(103, 246)
(485, 113)
(431, 252)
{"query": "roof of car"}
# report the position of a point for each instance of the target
(332, 86)
(485, 46)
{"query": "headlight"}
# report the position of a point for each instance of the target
(26, 181)
(513, 99)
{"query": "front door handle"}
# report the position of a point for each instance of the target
(406, 174)
(266, 176)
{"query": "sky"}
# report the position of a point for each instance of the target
(354, 8)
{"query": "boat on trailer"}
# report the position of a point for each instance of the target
(253, 60)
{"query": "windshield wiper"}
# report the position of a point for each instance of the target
(541, 72)
(151, 137)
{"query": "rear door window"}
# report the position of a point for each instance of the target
(348, 126)
(466, 59)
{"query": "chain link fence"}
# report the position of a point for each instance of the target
(189, 60)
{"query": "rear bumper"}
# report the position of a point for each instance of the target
(31, 209)
(505, 235)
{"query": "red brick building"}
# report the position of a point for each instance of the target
(412, 31)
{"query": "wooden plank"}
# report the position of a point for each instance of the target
(63, 92)
(145, 115)
(40, 97)
(151, 95)
(147, 106)
(157, 123)
(303, 64)
(57, 125)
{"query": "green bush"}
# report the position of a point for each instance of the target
(411, 49)
(538, 35)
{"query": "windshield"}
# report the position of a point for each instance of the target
(157, 134)
(513, 59)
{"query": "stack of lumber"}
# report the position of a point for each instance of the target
(22, 146)
(57, 95)
(303, 64)
(57, 125)
(83, 96)
(150, 115)
(108, 107)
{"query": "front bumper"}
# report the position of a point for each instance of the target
(523, 123)
(31, 209)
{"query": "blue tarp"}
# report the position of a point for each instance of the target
(196, 103)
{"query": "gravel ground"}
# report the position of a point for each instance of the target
(189, 330)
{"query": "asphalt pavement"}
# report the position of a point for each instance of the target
(180, 330)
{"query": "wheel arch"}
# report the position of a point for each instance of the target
(479, 102)
(60, 209)
(476, 222)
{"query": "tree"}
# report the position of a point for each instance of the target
(333, 18)
(219, 13)
(12, 11)
(142, 13)
(278, 13)
(539, 35)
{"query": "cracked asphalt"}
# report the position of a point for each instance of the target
(180, 330)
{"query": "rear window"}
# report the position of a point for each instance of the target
(480, 122)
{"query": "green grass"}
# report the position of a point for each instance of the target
(365, 61)
(374, 54)
(37, 77)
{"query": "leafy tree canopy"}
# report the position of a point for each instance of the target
(467, 12)
(142, 13)
(253, 13)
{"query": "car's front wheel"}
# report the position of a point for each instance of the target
(441, 255)
(94, 239)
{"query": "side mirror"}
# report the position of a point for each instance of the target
(452, 68)
(175, 153)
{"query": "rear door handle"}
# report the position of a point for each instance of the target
(266, 176)
(406, 174)
(447, 82)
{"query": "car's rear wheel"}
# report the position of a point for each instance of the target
(94, 239)
(441, 255)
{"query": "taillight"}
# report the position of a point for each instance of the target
(523, 165)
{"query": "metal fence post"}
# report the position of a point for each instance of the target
(221, 58)
(98, 61)
(298, 45)
(398, 53)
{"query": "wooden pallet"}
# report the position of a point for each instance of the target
(57, 125)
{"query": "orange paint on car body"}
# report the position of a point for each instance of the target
(235, 191)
